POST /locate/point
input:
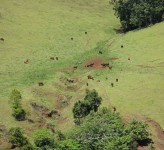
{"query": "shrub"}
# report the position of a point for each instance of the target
(16, 137)
(43, 138)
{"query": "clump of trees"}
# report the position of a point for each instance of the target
(105, 130)
(135, 14)
(15, 100)
(91, 102)
(17, 139)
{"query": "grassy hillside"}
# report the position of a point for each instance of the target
(37, 30)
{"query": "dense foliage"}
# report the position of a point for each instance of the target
(105, 130)
(91, 102)
(15, 99)
(138, 13)
(17, 138)
(43, 139)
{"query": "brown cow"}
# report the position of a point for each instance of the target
(105, 64)
(112, 84)
(70, 80)
(75, 67)
(100, 52)
(2, 39)
(110, 67)
(90, 65)
(26, 62)
(90, 77)
(52, 58)
(114, 108)
(41, 84)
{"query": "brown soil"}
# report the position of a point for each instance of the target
(141, 148)
(96, 65)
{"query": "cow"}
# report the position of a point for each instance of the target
(2, 39)
(72, 38)
(86, 33)
(52, 58)
(75, 67)
(87, 84)
(90, 77)
(57, 58)
(105, 64)
(90, 65)
(122, 46)
(112, 84)
(70, 80)
(26, 62)
(116, 80)
(41, 84)
(114, 108)
(100, 52)
(98, 80)
(110, 67)
(128, 58)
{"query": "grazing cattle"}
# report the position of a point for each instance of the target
(122, 46)
(41, 84)
(116, 80)
(57, 58)
(100, 52)
(52, 58)
(128, 58)
(75, 67)
(98, 80)
(87, 84)
(26, 62)
(86, 33)
(106, 78)
(110, 67)
(105, 64)
(90, 77)
(112, 84)
(70, 80)
(72, 39)
(114, 109)
(2, 39)
(90, 65)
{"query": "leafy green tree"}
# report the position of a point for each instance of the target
(15, 99)
(138, 130)
(135, 14)
(93, 100)
(15, 96)
(16, 137)
(43, 139)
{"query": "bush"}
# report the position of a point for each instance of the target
(43, 138)
(16, 137)
(18, 112)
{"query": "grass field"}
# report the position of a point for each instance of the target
(37, 30)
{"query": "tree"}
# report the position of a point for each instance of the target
(93, 100)
(135, 14)
(43, 139)
(16, 137)
(15, 99)
(138, 130)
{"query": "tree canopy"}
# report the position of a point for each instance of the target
(135, 14)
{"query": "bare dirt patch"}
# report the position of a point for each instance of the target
(93, 64)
